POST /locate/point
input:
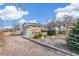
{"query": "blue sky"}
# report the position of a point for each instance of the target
(41, 12)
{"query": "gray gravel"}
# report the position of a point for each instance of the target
(17, 46)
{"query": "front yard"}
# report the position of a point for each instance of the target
(58, 41)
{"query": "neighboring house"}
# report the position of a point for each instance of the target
(53, 26)
(65, 25)
(30, 29)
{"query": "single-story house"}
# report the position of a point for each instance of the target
(30, 29)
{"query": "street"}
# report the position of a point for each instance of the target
(18, 46)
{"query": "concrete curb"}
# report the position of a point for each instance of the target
(53, 47)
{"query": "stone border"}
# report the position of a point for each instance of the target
(53, 47)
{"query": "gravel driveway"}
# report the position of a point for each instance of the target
(18, 46)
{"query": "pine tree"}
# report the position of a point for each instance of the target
(73, 38)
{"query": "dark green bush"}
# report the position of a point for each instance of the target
(51, 32)
(73, 38)
(44, 31)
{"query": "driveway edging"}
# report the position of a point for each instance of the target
(53, 47)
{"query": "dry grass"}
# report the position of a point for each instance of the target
(1, 38)
(7, 33)
(2, 41)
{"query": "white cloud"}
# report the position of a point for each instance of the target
(68, 8)
(61, 14)
(12, 13)
(7, 27)
(25, 21)
(49, 20)
(71, 10)
(33, 21)
(22, 21)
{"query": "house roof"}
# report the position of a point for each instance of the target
(34, 24)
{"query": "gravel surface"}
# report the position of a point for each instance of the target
(18, 46)
(59, 42)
